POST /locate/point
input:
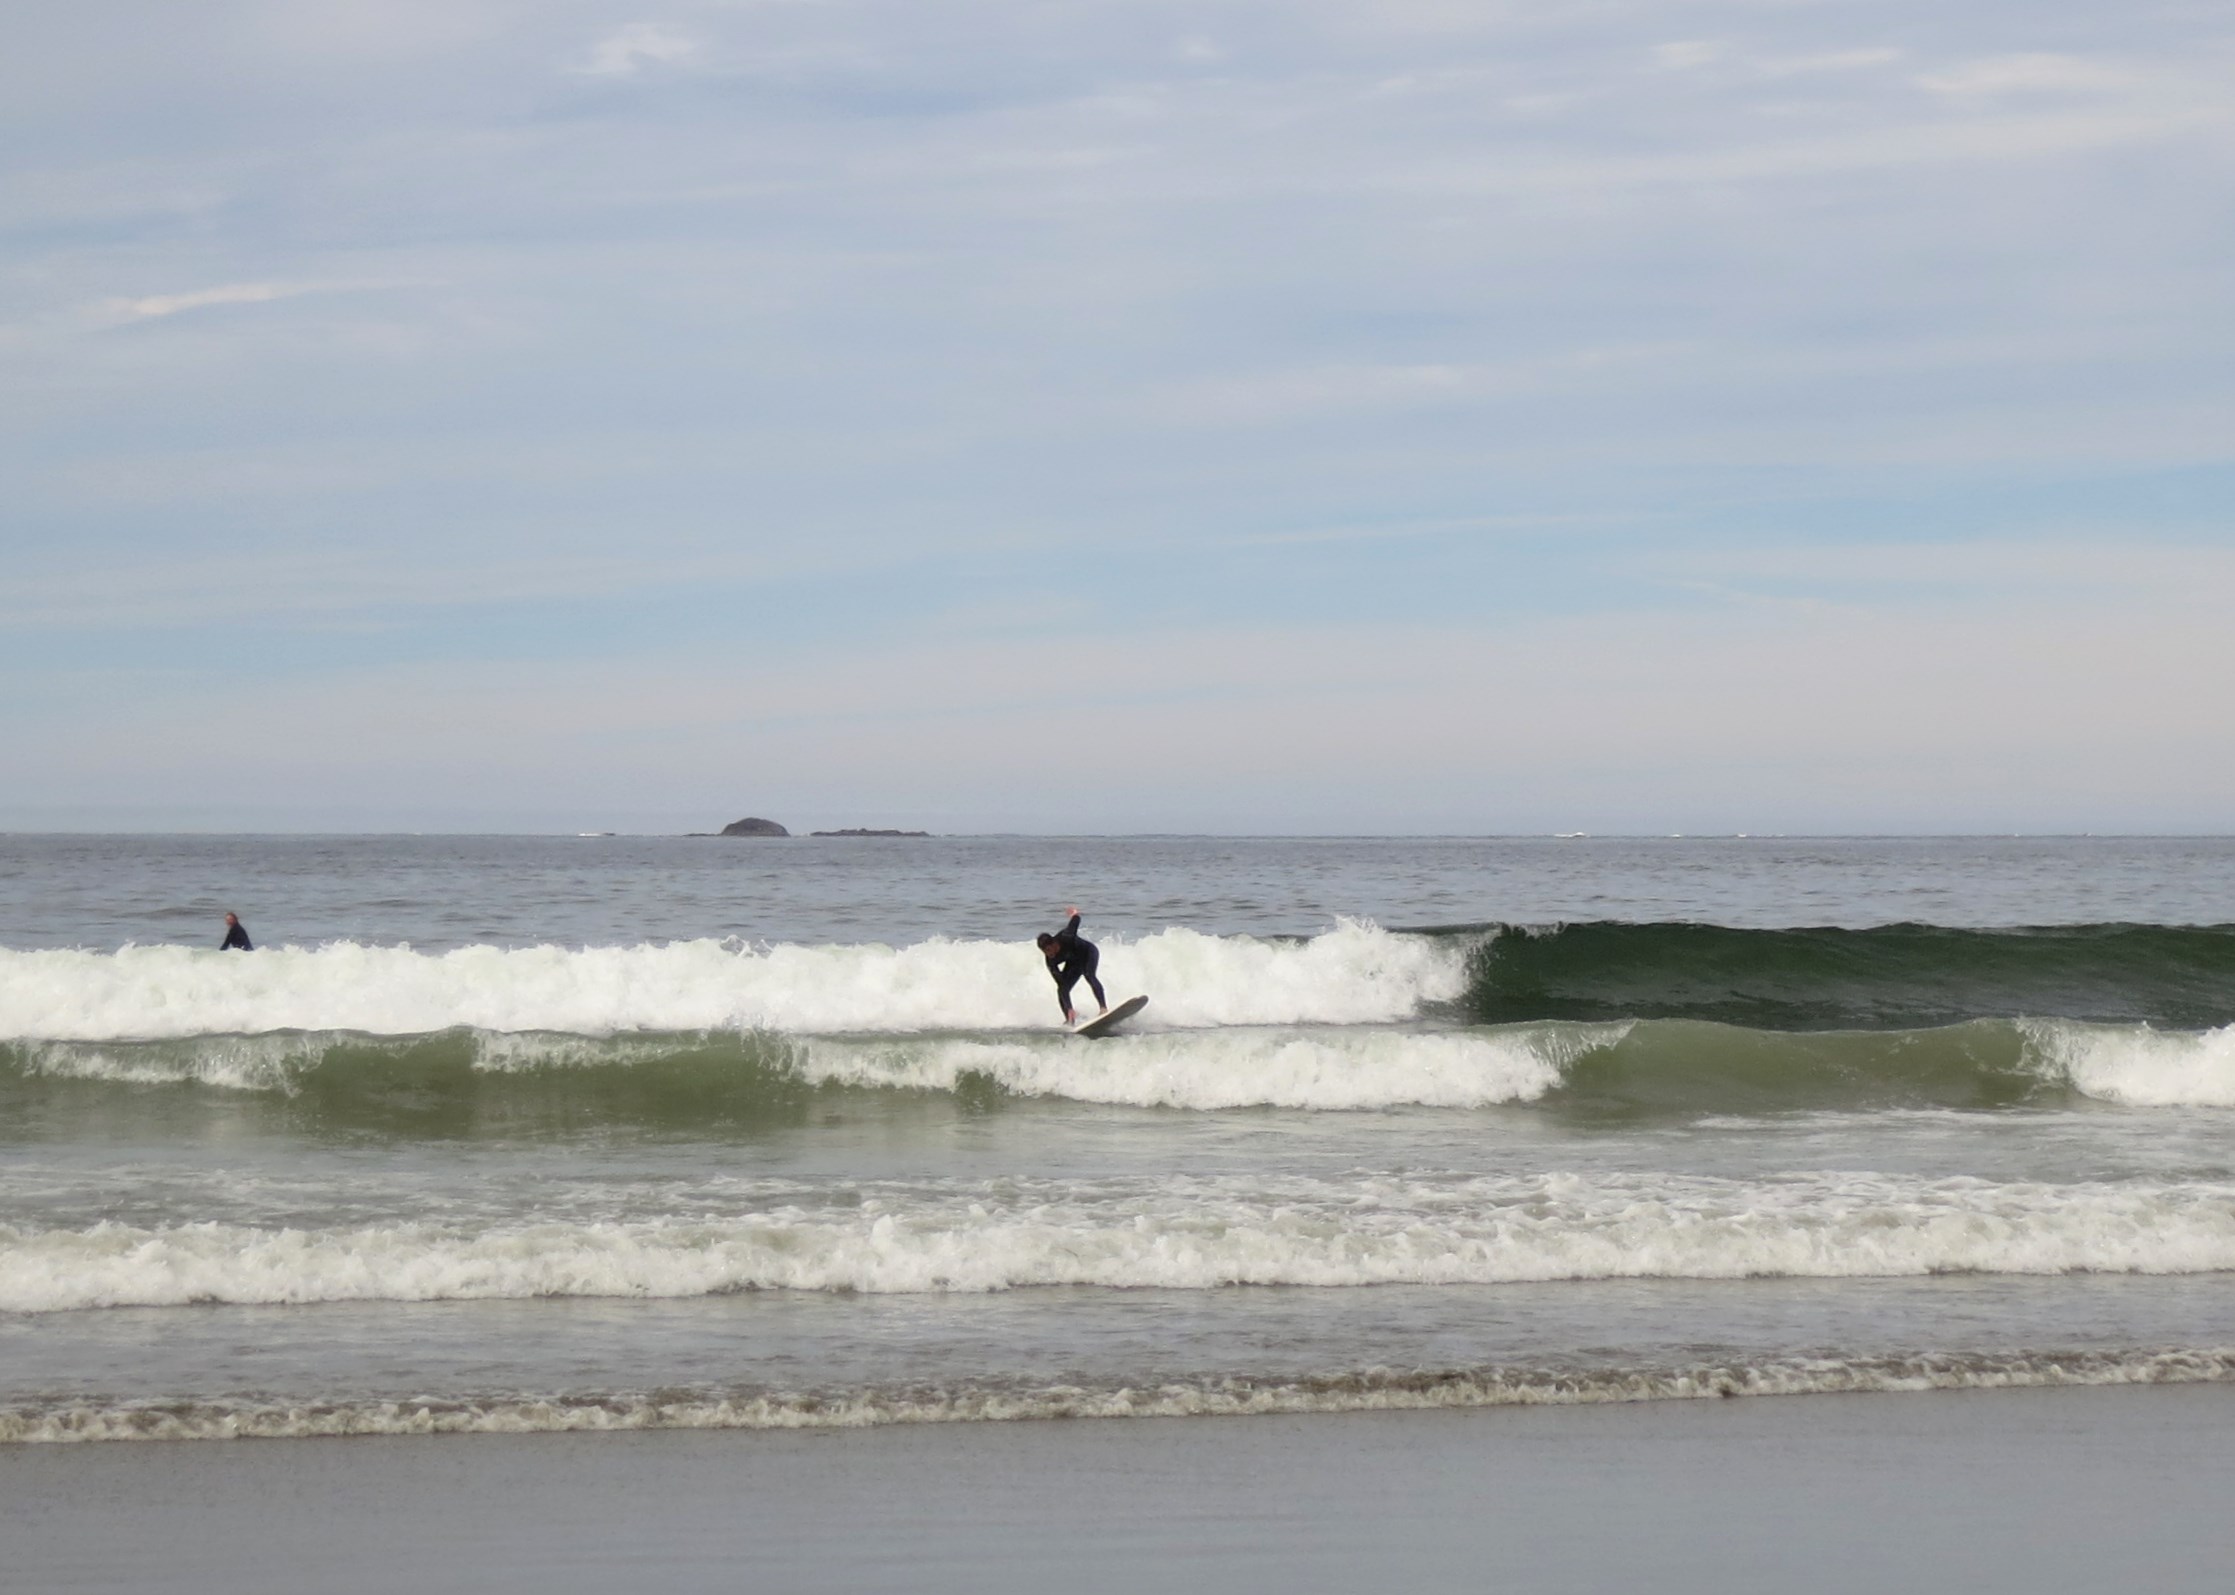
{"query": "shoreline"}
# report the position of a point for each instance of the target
(2035, 1491)
(979, 1403)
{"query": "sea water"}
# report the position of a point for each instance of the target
(608, 1132)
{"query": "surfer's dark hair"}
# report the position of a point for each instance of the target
(1046, 941)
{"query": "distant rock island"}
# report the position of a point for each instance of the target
(751, 826)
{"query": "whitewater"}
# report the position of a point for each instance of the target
(1353, 974)
(1165, 1234)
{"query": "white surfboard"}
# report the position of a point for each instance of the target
(1103, 1024)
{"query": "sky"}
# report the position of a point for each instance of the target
(1058, 416)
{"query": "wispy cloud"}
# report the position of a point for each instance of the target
(637, 46)
(155, 306)
(2029, 74)
(1686, 55)
(1681, 55)
(125, 310)
(2113, 566)
(1830, 61)
(1259, 397)
(1445, 526)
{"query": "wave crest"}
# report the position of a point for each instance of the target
(2141, 1067)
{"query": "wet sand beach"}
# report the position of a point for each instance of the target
(2040, 1492)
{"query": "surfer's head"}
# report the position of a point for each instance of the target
(1048, 943)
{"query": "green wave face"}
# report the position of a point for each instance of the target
(1887, 977)
(476, 1085)
(454, 1085)
(1687, 1067)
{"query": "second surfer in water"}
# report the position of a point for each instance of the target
(1071, 959)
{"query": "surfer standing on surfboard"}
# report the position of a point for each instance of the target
(1071, 959)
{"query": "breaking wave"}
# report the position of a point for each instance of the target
(1355, 974)
(1683, 1019)
(1905, 977)
(1172, 1234)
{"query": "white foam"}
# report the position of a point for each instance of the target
(1336, 1068)
(2139, 1066)
(234, 1063)
(1365, 1390)
(1354, 974)
(1174, 1233)
(1327, 1069)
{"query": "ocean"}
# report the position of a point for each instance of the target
(522, 1134)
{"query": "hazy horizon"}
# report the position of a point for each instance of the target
(806, 830)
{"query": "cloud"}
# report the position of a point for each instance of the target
(1403, 530)
(1875, 147)
(2029, 74)
(156, 306)
(637, 46)
(322, 587)
(122, 310)
(1681, 55)
(2160, 578)
(1830, 61)
(1257, 398)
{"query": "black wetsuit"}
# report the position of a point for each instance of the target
(236, 939)
(1072, 959)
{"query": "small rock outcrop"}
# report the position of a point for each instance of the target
(751, 826)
